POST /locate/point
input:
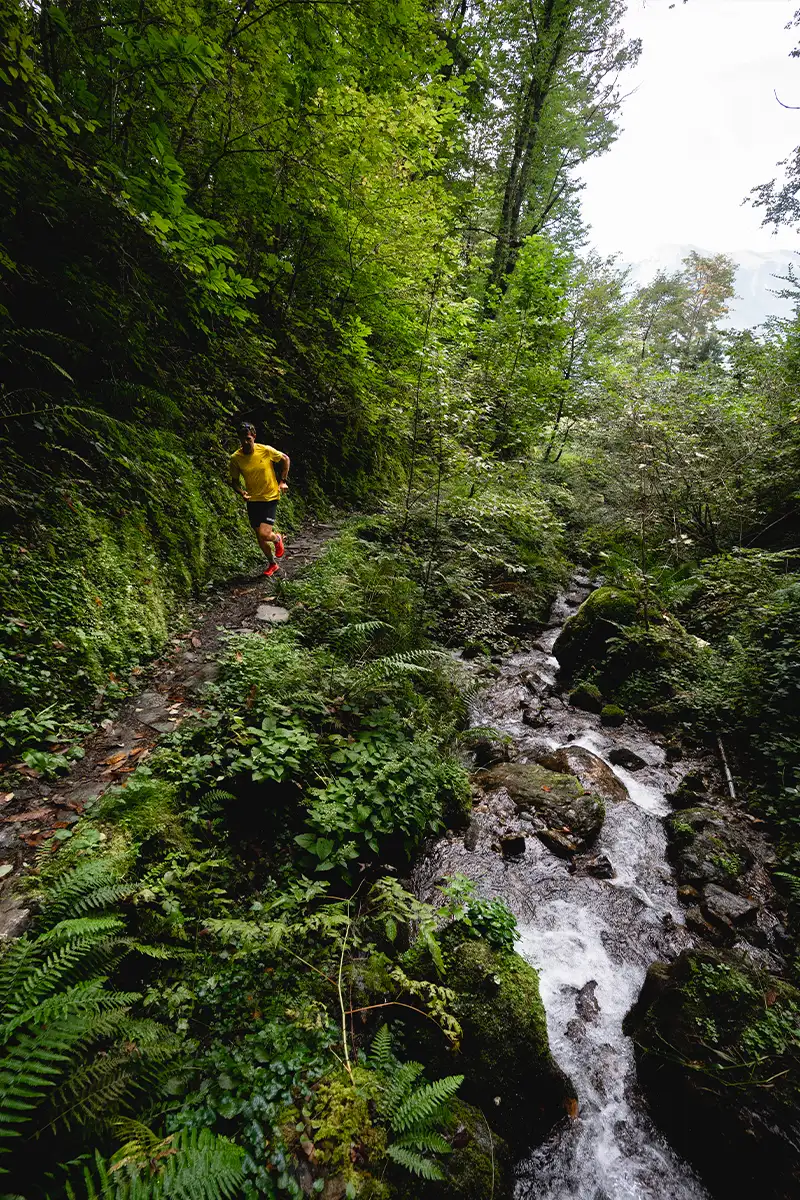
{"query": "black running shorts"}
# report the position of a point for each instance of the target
(261, 512)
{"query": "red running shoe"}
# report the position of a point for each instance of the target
(272, 569)
(280, 549)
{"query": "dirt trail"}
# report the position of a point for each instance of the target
(170, 692)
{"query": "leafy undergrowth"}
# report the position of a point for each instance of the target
(188, 1015)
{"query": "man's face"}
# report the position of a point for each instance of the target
(248, 440)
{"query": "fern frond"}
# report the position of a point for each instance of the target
(381, 1058)
(430, 1141)
(91, 885)
(425, 1104)
(361, 630)
(81, 927)
(400, 1087)
(417, 1164)
(395, 666)
(195, 1165)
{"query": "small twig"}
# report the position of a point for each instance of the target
(726, 769)
(395, 1004)
(306, 963)
(491, 1150)
(347, 1064)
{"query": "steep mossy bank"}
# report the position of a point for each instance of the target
(718, 1055)
(95, 574)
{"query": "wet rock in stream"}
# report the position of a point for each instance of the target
(621, 756)
(566, 816)
(595, 775)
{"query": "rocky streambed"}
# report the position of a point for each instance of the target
(580, 823)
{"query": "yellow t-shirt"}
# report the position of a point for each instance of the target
(257, 471)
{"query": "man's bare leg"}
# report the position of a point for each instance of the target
(266, 540)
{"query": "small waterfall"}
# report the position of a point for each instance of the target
(590, 939)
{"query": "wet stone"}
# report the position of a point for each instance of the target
(621, 756)
(597, 865)
(568, 817)
(512, 845)
(723, 908)
(558, 842)
(472, 835)
(696, 921)
(533, 715)
(590, 770)
(488, 751)
(586, 1005)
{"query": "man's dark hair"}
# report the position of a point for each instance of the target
(246, 427)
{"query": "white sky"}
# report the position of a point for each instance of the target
(701, 130)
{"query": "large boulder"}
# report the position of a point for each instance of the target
(505, 1053)
(564, 814)
(585, 636)
(706, 847)
(718, 1056)
(590, 770)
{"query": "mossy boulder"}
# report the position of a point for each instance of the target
(706, 847)
(691, 791)
(555, 803)
(586, 696)
(718, 1056)
(585, 636)
(592, 773)
(612, 715)
(479, 1166)
(505, 1053)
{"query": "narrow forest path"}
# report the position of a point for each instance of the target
(171, 690)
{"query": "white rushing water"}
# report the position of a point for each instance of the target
(591, 940)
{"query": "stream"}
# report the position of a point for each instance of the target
(590, 939)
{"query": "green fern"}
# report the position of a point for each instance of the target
(425, 1105)
(71, 1052)
(411, 1110)
(397, 666)
(194, 1165)
(381, 1058)
(91, 885)
(414, 1162)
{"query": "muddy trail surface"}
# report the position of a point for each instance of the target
(591, 924)
(169, 691)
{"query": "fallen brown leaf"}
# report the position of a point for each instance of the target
(34, 814)
(571, 1105)
(115, 758)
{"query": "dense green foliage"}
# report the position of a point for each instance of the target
(357, 225)
(240, 914)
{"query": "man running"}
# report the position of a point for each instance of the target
(262, 490)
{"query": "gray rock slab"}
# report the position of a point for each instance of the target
(272, 613)
(14, 917)
(723, 907)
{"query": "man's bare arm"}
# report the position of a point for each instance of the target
(282, 483)
(239, 490)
